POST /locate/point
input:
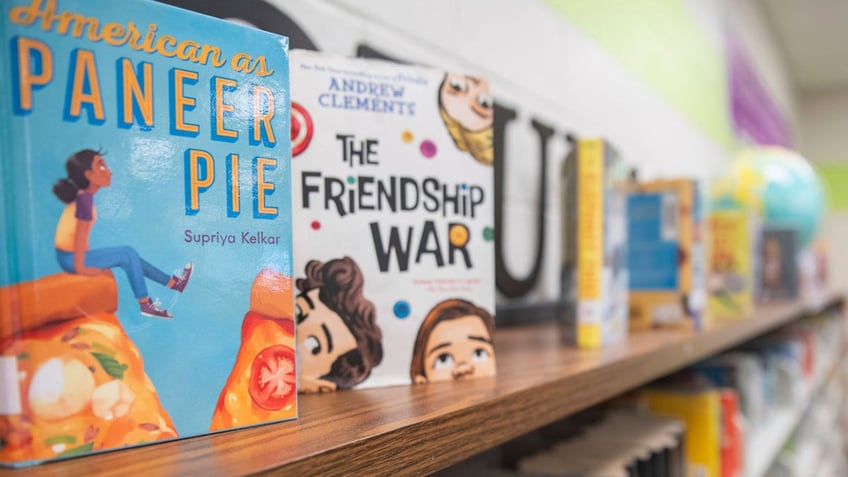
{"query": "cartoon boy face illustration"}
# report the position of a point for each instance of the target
(338, 340)
(454, 342)
(466, 107)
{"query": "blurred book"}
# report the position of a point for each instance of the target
(700, 410)
(778, 272)
(594, 221)
(731, 264)
(666, 254)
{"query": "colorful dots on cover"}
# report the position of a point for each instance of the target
(428, 148)
(401, 309)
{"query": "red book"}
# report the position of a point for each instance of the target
(731, 434)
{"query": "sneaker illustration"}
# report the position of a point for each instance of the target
(153, 309)
(181, 280)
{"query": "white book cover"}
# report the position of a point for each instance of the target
(393, 222)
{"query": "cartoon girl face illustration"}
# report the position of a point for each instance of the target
(99, 175)
(466, 107)
(468, 100)
(454, 342)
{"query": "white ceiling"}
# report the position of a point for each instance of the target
(813, 35)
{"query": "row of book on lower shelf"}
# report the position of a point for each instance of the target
(817, 447)
(336, 216)
(774, 406)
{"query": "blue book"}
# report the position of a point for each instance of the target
(145, 283)
(666, 254)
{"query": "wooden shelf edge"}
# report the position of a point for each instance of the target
(418, 429)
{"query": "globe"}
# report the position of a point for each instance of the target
(776, 183)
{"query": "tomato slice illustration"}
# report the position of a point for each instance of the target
(272, 377)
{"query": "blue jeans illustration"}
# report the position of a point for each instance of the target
(127, 258)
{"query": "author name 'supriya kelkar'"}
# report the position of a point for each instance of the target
(223, 239)
(34, 68)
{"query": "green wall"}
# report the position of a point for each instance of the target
(665, 47)
(834, 176)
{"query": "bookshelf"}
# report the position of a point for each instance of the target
(766, 442)
(419, 429)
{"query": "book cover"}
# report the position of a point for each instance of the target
(778, 272)
(700, 410)
(731, 264)
(666, 254)
(147, 284)
(594, 231)
(392, 183)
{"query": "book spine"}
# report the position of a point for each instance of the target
(10, 398)
(5, 171)
(568, 244)
(590, 223)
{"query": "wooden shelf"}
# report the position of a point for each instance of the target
(419, 429)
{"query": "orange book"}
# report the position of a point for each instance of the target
(732, 445)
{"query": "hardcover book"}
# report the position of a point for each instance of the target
(778, 272)
(137, 139)
(731, 264)
(665, 254)
(700, 410)
(392, 183)
(594, 233)
(732, 438)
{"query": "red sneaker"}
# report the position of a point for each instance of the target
(180, 281)
(151, 308)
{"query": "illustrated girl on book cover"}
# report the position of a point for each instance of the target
(87, 173)
(465, 104)
(454, 342)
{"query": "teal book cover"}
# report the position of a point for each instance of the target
(146, 275)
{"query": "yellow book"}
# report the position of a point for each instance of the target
(594, 235)
(700, 410)
(730, 264)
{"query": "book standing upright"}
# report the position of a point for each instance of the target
(137, 139)
(666, 254)
(594, 255)
(392, 184)
(732, 264)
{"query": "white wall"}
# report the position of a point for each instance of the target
(547, 70)
(824, 129)
(835, 232)
(824, 125)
